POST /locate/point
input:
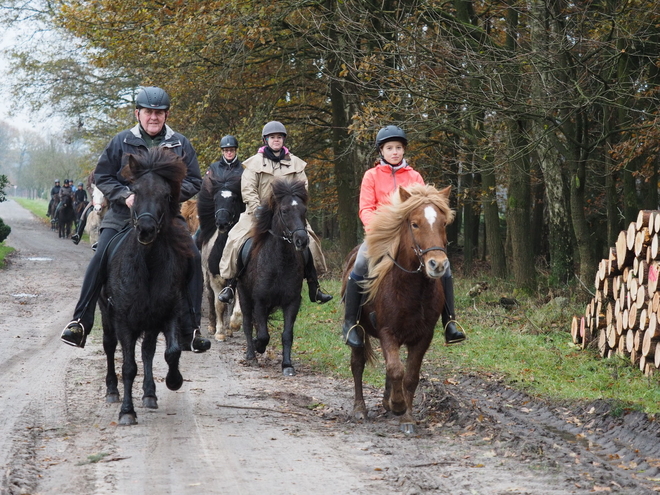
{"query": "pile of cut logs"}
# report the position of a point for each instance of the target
(623, 317)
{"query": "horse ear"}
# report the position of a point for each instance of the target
(127, 171)
(445, 192)
(403, 194)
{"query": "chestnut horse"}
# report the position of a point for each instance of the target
(403, 295)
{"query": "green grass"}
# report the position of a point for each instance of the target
(529, 347)
(37, 206)
(4, 252)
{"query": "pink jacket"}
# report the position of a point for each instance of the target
(379, 183)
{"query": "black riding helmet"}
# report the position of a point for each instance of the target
(229, 142)
(152, 97)
(391, 133)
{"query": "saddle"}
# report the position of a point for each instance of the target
(244, 256)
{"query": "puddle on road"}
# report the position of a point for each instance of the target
(25, 295)
(37, 258)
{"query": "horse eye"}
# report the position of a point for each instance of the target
(414, 225)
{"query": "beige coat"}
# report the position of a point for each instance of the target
(258, 174)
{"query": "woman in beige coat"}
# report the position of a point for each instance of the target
(273, 160)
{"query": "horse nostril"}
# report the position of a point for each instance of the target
(433, 265)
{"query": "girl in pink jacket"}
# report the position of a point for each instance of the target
(378, 184)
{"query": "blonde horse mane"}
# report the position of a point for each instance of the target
(385, 229)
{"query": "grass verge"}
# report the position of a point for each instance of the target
(528, 346)
(4, 252)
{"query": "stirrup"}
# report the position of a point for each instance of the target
(225, 296)
(321, 297)
(71, 338)
(460, 329)
(359, 342)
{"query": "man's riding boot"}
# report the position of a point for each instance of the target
(74, 334)
(315, 293)
(452, 334)
(227, 294)
(353, 333)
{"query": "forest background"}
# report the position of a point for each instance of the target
(542, 115)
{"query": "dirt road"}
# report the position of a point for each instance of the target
(239, 430)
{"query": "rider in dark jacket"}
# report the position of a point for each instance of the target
(65, 191)
(54, 196)
(152, 110)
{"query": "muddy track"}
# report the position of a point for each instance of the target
(239, 429)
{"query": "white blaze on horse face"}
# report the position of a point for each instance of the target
(294, 203)
(226, 194)
(431, 215)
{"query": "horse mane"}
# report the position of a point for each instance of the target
(388, 226)
(281, 187)
(162, 162)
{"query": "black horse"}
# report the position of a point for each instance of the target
(273, 276)
(66, 216)
(219, 204)
(147, 278)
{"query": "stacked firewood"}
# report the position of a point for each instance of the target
(623, 316)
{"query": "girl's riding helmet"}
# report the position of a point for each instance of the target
(391, 133)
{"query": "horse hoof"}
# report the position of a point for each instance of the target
(210, 330)
(259, 346)
(174, 380)
(251, 361)
(128, 419)
(230, 333)
(220, 337)
(407, 428)
(359, 414)
(112, 398)
(150, 402)
(288, 371)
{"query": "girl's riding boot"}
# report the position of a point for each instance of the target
(452, 334)
(227, 294)
(315, 292)
(352, 331)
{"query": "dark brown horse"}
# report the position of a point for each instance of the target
(66, 216)
(147, 280)
(273, 277)
(403, 293)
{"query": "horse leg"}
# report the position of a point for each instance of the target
(289, 313)
(358, 361)
(174, 379)
(250, 356)
(149, 398)
(211, 298)
(410, 381)
(394, 399)
(261, 324)
(127, 414)
(110, 347)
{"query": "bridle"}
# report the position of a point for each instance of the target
(159, 223)
(418, 251)
(287, 234)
